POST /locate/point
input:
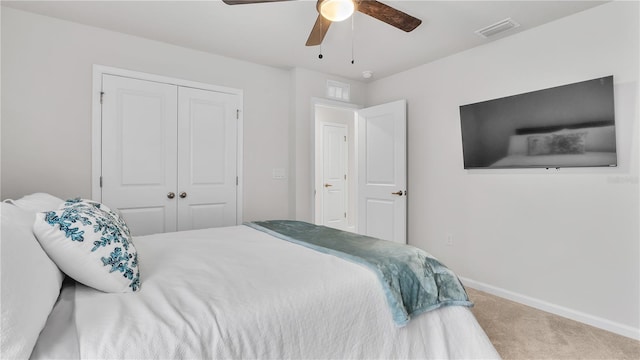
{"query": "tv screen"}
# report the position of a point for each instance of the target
(566, 126)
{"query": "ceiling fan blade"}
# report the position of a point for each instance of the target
(242, 2)
(319, 31)
(386, 13)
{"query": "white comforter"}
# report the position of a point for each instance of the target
(239, 293)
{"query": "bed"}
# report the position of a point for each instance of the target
(581, 144)
(225, 293)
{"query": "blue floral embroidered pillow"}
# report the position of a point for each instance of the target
(90, 243)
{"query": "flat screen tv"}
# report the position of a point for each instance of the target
(566, 126)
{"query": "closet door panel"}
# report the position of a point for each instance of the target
(207, 130)
(139, 152)
(207, 138)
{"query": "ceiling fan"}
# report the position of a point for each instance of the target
(338, 10)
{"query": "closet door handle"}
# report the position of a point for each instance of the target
(183, 195)
(171, 195)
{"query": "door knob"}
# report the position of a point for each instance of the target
(171, 195)
(328, 185)
(399, 193)
(183, 195)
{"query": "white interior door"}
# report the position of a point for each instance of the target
(334, 175)
(139, 152)
(207, 169)
(382, 171)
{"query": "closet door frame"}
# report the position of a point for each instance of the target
(96, 123)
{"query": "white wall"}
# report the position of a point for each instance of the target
(46, 112)
(568, 239)
(0, 105)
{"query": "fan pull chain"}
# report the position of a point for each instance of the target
(352, 38)
(320, 55)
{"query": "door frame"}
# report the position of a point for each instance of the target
(315, 102)
(320, 162)
(96, 123)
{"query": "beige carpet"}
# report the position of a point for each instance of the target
(521, 332)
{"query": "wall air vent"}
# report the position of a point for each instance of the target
(339, 91)
(497, 28)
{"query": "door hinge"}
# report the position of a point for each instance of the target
(101, 96)
(345, 215)
(345, 138)
(236, 181)
(345, 176)
(100, 181)
(237, 114)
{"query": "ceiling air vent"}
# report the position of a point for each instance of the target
(497, 28)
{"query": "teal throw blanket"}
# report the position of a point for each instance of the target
(413, 281)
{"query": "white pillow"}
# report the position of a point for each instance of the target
(540, 144)
(518, 145)
(30, 284)
(91, 244)
(598, 139)
(37, 202)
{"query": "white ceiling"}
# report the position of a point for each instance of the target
(275, 33)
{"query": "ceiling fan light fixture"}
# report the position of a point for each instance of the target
(336, 10)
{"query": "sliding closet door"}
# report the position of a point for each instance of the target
(139, 152)
(207, 169)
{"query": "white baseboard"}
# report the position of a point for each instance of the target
(614, 327)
